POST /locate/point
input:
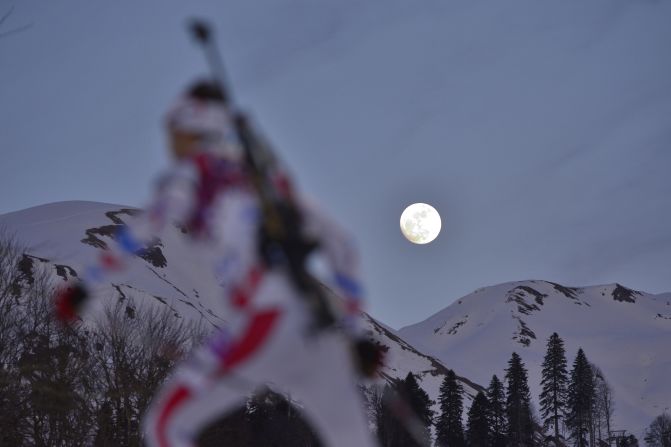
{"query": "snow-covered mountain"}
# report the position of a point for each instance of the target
(67, 236)
(70, 235)
(626, 333)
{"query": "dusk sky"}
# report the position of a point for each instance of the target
(540, 131)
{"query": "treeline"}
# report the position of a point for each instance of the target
(84, 386)
(576, 408)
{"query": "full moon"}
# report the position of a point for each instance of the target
(420, 223)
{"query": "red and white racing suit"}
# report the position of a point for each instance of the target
(267, 342)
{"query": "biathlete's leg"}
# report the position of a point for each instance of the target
(331, 402)
(213, 382)
(183, 405)
(182, 411)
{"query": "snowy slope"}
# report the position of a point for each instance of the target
(67, 236)
(73, 233)
(625, 332)
(402, 358)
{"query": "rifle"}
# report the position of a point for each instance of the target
(281, 240)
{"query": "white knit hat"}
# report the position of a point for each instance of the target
(208, 118)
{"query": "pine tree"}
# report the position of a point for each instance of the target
(477, 428)
(449, 428)
(420, 403)
(390, 431)
(497, 412)
(580, 400)
(518, 404)
(387, 425)
(554, 381)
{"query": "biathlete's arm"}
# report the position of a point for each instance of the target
(173, 201)
(341, 253)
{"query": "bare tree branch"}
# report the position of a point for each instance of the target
(11, 9)
(15, 30)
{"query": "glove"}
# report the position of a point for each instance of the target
(69, 301)
(368, 357)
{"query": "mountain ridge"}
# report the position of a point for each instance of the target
(622, 330)
(474, 336)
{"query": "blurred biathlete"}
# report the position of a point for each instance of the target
(277, 336)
